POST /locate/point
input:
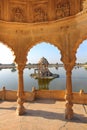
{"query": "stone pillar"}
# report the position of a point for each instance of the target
(3, 93)
(68, 96)
(20, 93)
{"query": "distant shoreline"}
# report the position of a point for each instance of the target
(29, 65)
(5, 66)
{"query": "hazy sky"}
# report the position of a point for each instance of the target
(6, 56)
(82, 52)
(50, 52)
(43, 50)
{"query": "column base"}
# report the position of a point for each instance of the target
(20, 108)
(69, 110)
(69, 114)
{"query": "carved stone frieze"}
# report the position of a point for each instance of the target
(40, 10)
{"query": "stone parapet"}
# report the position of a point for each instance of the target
(10, 95)
(50, 94)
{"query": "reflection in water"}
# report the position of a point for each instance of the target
(85, 68)
(9, 79)
(44, 83)
(56, 68)
(13, 69)
(0, 69)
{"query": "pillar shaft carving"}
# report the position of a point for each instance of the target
(20, 81)
(68, 96)
(68, 82)
(20, 108)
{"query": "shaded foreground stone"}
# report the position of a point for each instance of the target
(42, 115)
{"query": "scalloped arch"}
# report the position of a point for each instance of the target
(47, 42)
(78, 43)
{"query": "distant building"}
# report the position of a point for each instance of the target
(42, 71)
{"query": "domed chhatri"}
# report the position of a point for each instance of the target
(42, 71)
(43, 61)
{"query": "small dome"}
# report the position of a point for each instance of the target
(43, 61)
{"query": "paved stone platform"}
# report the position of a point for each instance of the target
(42, 115)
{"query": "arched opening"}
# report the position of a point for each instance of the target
(8, 73)
(53, 56)
(79, 75)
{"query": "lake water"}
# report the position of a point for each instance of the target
(9, 79)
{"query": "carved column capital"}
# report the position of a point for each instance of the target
(20, 67)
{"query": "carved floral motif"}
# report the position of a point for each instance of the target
(62, 9)
(40, 13)
(18, 14)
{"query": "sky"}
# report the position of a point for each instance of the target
(50, 52)
(82, 52)
(6, 55)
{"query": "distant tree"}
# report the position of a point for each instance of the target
(13, 70)
(0, 69)
(13, 64)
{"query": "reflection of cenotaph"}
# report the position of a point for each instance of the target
(44, 83)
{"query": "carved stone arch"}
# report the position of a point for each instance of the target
(58, 46)
(78, 43)
(8, 46)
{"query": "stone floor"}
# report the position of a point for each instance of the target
(42, 115)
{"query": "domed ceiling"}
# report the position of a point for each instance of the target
(38, 10)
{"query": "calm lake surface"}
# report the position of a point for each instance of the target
(9, 79)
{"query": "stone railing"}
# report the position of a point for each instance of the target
(12, 95)
(78, 97)
(50, 94)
